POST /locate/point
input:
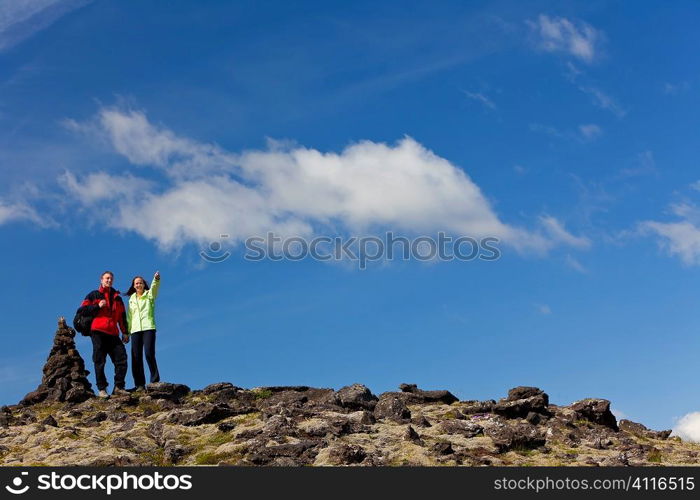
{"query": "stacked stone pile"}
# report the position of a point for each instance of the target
(64, 374)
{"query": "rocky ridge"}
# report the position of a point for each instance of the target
(169, 424)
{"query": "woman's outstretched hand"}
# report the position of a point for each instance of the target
(157, 276)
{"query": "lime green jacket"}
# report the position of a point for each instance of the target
(141, 313)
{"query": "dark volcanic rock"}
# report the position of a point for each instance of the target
(356, 397)
(519, 408)
(49, 420)
(518, 436)
(167, 391)
(301, 453)
(392, 407)
(346, 454)
(472, 407)
(524, 392)
(422, 396)
(642, 431)
(596, 411)
(442, 448)
(413, 436)
(202, 413)
(64, 374)
(462, 427)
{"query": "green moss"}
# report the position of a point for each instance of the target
(212, 458)
(248, 418)
(262, 393)
(654, 456)
(220, 438)
(154, 457)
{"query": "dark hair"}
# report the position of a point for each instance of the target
(132, 289)
(107, 272)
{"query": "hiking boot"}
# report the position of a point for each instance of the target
(102, 394)
(139, 388)
(118, 391)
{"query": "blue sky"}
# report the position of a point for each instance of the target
(132, 135)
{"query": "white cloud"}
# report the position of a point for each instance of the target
(590, 131)
(18, 211)
(680, 238)
(290, 189)
(101, 186)
(20, 19)
(695, 186)
(480, 98)
(558, 232)
(575, 38)
(688, 427)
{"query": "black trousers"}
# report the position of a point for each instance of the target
(104, 345)
(140, 342)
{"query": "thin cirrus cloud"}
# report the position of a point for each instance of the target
(561, 35)
(20, 19)
(481, 99)
(290, 190)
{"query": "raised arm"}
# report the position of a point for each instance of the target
(155, 285)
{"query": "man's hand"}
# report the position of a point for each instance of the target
(102, 303)
(157, 276)
(125, 338)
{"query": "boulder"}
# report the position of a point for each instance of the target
(356, 397)
(392, 407)
(642, 431)
(517, 436)
(202, 413)
(596, 411)
(461, 427)
(346, 454)
(421, 396)
(167, 391)
(525, 392)
(519, 408)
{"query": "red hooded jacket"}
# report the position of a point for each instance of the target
(112, 314)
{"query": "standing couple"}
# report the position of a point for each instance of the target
(137, 323)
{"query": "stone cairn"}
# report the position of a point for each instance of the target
(65, 376)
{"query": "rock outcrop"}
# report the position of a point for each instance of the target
(62, 423)
(64, 374)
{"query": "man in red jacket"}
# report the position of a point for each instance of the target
(108, 310)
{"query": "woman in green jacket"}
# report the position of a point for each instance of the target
(141, 321)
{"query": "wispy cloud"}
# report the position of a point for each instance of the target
(590, 131)
(543, 309)
(583, 133)
(20, 19)
(676, 88)
(645, 165)
(603, 100)
(574, 264)
(559, 34)
(291, 190)
(480, 98)
(17, 211)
